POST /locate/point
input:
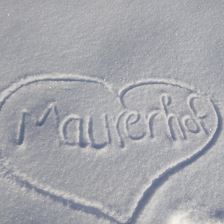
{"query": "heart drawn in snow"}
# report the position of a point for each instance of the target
(75, 140)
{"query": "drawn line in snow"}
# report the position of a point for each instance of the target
(141, 83)
(89, 207)
(55, 195)
(13, 88)
(169, 172)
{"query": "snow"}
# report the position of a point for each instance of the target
(111, 112)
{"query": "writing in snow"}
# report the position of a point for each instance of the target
(129, 125)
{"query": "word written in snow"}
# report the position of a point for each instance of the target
(127, 125)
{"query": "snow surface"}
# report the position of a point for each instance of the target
(111, 112)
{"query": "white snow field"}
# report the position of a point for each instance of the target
(111, 112)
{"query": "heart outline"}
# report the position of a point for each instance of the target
(81, 204)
